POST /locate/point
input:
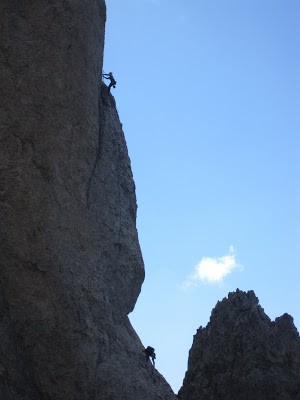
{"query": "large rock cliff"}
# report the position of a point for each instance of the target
(71, 268)
(243, 355)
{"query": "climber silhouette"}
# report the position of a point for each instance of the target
(150, 354)
(111, 78)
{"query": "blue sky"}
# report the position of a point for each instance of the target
(209, 96)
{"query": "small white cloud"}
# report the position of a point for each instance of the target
(212, 269)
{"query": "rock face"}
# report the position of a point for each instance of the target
(71, 268)
(242, 354)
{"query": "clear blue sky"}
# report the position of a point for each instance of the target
(209, 96)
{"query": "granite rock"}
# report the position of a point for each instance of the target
(71, 267)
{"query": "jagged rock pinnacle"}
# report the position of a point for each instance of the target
(242, 354)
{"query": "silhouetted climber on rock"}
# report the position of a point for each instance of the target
(113, 82)
(150, 354)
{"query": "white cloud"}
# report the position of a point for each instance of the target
(212, 269)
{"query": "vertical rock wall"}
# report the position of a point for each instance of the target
(242, 354)
(70, 263)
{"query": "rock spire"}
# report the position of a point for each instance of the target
(242, 354)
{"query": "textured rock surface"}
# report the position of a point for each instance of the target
(242, 354)
(70, 266)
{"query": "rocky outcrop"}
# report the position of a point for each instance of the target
(242, 354)
(71, 268)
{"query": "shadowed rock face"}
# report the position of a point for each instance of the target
(242, 354)
(71, 268)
